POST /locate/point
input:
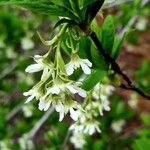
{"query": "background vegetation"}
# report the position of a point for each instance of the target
(129, 112)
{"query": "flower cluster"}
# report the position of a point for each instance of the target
(56, 88)
(97, 103)
(58, 92)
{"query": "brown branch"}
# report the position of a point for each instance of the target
(130, 85)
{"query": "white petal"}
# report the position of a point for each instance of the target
(91, 129)
(81, 92)
(47, 106)
(30, 98)
(100, 110)
(59, 107)
(44, 74)
(54, 90)
(86, 61)
(43, 105)
(85, 68)
(71, 89)
(74, 114)
(27, 93)
(95, 95)
(69, 68)
(34, 68)
(61, 115)
(98, 129)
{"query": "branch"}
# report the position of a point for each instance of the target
(116, 67)
(38, 125)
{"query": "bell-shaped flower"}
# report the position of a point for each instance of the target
(78, 140)
(73, 108)
(41, 64)
(38, 66)
(31, 93)
(88, 127)
(92, 127)
(35, 92)
(77, 62)
(59, 86)
(104, 105)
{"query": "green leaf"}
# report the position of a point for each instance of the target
(141, 144)
(108, 34)
(95, 77)
(145, 119)
(84, 48)
(97, 29)
(43, 7)
(117, 45)
(92, 10)
(97, 59)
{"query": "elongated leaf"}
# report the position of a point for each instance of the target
(43, 7)
(108, 34)
(92, 10)
(85, 3)
(117, 45)
(95, 77)
(97, 59)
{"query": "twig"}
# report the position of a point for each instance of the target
(38, 125)
(116, 67)
(130, 85)
(8, 71)
(14, 112)
(66, 140)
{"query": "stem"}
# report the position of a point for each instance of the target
(14, 112)
(38, 125)
(65, 140)
(116, 67)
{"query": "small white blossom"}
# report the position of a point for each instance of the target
(27, 112)
(39, 66)
(35, 92)
(88, 127)
(77, 62)
(27, 43)
(25, 143)
(117, 126)
(59, 86)
(101, 93)
(78, 140)
(31, 93)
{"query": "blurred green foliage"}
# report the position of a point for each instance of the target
(17, 44)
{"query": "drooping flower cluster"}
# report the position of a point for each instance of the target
(97, 103)
(57, 90)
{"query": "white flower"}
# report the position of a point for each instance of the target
(39, 66)
(117, 126)
(27, 112)
(92, 127)
(46, 101)
(61, 105)
(59, 86)
(101, 93)
(43, 104)
(26, 143)
(77, 62)
(27, 43)
(31, 93)
(78, 140)
(36, 67)
(35, 92)
(88, 127)
(104, 105)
